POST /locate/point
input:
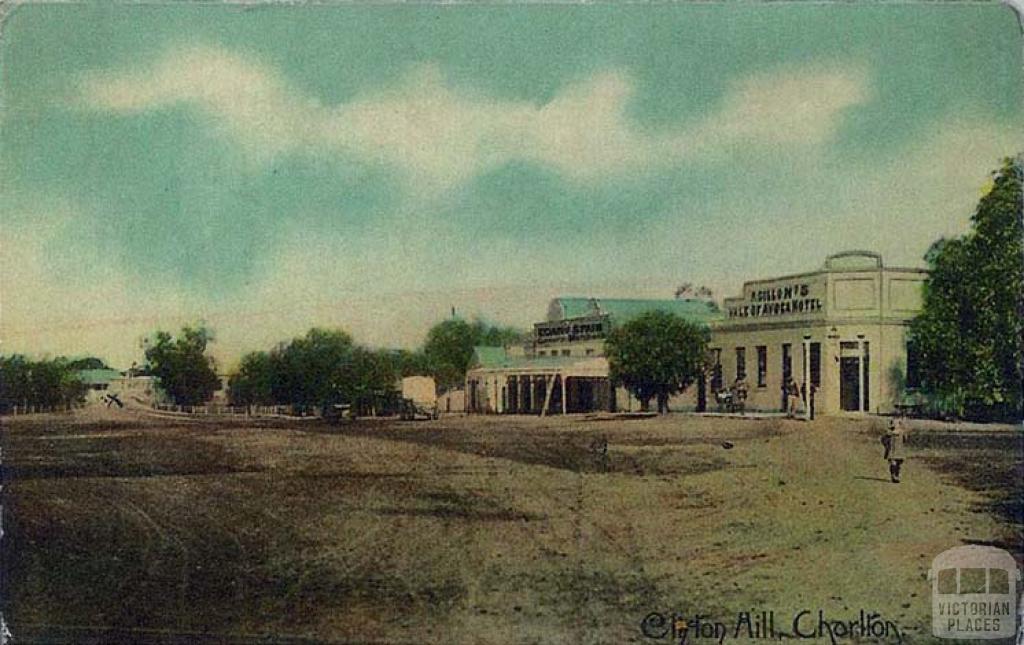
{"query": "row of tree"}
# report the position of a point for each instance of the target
(39, 385)
(327, 367)
(322, 368)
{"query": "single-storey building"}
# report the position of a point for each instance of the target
(562, 368)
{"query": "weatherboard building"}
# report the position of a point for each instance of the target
(840, 331)
(562, 368)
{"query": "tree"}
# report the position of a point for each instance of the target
(315, 370)
(44, 384)
(185, 372)
(449, 347)
(411, 363)
(968, 335)
(657, 355)
(376, 374)
(15, 388)
(88, 363)
(253, 383)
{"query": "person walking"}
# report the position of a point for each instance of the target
(895, 453)
(740, 389)
(792, 391)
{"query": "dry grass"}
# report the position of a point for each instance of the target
(492, 530)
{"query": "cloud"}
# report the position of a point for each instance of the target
(440, 136)
(801, 107)
(252, 102)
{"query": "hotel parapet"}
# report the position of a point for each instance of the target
(840, 329)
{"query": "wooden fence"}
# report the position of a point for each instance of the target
(237, 410)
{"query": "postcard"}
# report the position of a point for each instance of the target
(375, 322)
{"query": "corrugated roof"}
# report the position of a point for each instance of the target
(98, 376)
(622, 310)
(489, 356)
(573, 365)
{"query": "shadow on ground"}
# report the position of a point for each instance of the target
(987, 462)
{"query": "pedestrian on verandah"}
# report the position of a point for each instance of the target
(792, 391)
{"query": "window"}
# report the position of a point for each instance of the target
(867, 375)
(542, 353)
(741, 362)
(816, 364)
(566, 352)
(762, 366)
(716, 370)
(913, 366)
(787, 361)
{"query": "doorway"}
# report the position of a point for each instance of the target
(853, 377)
(787, 371)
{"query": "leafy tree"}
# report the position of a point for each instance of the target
(376, 372)
(449, 347)
(87, 363)
(969, 333)
(15, 386)
(657, 355)
(253, 383)
(185, 372)
(410, 363)
(43, 384)
(321, 368)
(314, 370)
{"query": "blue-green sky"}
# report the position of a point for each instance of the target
(370, 166)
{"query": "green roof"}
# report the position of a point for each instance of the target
(97, 376)
(622, 310)
(489, 356)
(497, 357)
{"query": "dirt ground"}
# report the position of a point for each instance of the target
(123, 527)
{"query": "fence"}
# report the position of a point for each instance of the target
(16, 410)
(238, 410)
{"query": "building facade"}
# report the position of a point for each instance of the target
(562, 367)
(842, 330)
(839, 331)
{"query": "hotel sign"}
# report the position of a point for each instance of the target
(563, 331)
(782, 299)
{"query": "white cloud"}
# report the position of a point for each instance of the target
(788, 107)
(441, 136)
(389, 283)
(254, 104)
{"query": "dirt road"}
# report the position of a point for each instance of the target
(470, 530)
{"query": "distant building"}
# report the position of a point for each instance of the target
(126, 386)
(563, 369)
(452, 401)
(421, 390)
(841, 330)
(98, 380)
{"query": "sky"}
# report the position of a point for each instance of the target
(266, 169)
